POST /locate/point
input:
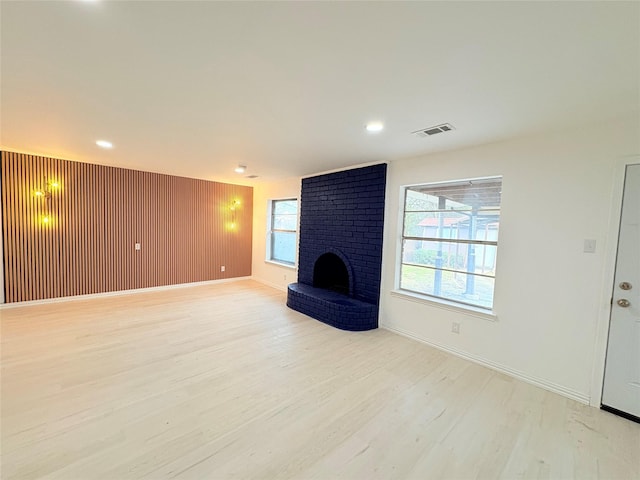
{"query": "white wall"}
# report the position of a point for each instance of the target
(551, 299)
(557, 191)
(278, 276)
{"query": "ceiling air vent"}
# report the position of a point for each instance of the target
(429, 132)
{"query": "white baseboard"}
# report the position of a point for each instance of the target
(538, 382)
(270, 284)
(119, 292)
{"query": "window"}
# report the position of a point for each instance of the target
(283, 222)
(450, 240)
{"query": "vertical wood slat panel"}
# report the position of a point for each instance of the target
(20, 218)
(6, 223)
(9, 226)
(98, 215)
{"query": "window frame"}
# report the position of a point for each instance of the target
(270, 232)
(441, 300)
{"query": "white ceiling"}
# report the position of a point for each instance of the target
(195, 88)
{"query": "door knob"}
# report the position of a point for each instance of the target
(623, 302)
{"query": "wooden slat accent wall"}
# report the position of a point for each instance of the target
(98, 215)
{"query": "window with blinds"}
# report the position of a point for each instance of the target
(283, 223)
(450, 240)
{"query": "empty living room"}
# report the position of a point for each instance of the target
(319, 240)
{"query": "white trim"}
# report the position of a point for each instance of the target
(610, 256)
(282, 264)
(344, 169)
(120, 292)
(267, 242)
(446, 305)
(444, 182)
(538, 382)
(270, 284)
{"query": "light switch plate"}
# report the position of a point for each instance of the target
(589, 246)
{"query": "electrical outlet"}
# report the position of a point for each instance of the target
(137, 246)
(455, 327)
(222, 268)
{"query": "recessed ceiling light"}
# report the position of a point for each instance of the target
(104, 144)
(374, 127)
(240, 169)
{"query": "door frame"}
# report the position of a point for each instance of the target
(610, 252)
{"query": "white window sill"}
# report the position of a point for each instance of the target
(446, 305)
(280, 264)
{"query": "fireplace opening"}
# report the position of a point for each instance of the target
(331, 273)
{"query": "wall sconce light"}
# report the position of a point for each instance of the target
(49, 187)
(235, 204)
(46, 194)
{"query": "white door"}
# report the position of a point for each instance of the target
(621, 389)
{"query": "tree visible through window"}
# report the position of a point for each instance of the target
(450, 240)
(283, 231)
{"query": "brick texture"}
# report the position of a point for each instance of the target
(342, 213)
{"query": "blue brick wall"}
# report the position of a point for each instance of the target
(343, 213)
(332, 308)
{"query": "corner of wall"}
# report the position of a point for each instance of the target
(271, 274)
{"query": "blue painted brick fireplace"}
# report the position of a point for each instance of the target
(340, 249)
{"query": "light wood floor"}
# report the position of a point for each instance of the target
(223, 381)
